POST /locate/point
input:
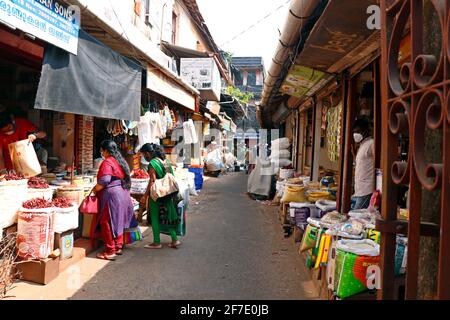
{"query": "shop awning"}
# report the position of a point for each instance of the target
(97, 82)
(163, 85)
(339, 34)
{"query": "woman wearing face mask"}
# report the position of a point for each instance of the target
(113, 191)
(365, 161)
(13, 130)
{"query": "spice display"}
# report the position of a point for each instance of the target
(37, 203)
(37, 183)
(139, 174)
(12, 175)
(62, 203)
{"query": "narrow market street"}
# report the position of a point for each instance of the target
(234, 249)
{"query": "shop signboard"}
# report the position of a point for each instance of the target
(48, 20)
(202, 74)
(301, 80)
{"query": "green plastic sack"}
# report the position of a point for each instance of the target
(350, 273)
(309, 239)
(310, 260)
(317, 244)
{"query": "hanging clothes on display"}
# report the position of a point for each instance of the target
(190, 134)
(156, 128)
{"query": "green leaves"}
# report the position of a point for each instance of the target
(242, 97)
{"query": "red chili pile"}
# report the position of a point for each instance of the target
(62, 203)
(12, 175)
(37, 203)
(37, 183)
(140, 174)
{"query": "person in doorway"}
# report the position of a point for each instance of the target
(158, 168)
(13, 130)
(364, 164)
(115, 206)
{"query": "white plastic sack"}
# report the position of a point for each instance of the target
(66, 219)
(12, 194)
(326, 205)
(260, 179)
(139, 186)
(214, 161)
(35, 235)
(47, 194)
(280, 163)
(280, 144)
(286, 173)
(364, 247)
(360, 214)
(24, 158)
(280, 154)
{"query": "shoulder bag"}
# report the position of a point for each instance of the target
(164, 187)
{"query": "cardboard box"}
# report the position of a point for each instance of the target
(64, 242)
(39, 271)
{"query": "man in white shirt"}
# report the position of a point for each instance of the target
(364, 164)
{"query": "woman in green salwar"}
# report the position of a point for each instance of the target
(158, 168)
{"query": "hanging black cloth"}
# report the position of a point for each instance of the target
(97, 82)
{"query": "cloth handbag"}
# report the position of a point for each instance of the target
(180, 225)
(164, 187)
(90, 204)
(132, 235)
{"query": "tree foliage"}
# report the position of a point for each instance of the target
(242, 97)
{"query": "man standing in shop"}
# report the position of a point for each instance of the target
(13, 130)
(364, 164)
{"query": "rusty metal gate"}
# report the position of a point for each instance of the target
(415, 102)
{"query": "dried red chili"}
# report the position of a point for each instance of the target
(140, 174)
(13, 175)
(37, 203)
(62, 203)
(37, 183)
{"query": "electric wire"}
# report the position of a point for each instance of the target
(256, 23)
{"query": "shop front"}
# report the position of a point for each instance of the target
(332, 123)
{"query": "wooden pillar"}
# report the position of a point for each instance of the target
(347, 165)
(317, 133)
(340, 192)
(377, 112)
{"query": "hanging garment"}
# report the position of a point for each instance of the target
(156, 127)
(144, 131)
(190, 134)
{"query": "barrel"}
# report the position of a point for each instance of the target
(75, 194)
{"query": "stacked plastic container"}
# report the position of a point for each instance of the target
(198, 177)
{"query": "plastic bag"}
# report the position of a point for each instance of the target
(280, 163)
(309, 238)
(24, 158)
(280, 154)
(316, 195)
(351, 268)
(323, 252)
(294, 194)
(286, 173)
(326, 205)
(333, 218)
(66, 219)
(280, 144)
(35, 234)
(359, 247)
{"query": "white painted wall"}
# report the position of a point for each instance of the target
(187, 33)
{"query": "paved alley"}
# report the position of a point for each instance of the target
(234, 249)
